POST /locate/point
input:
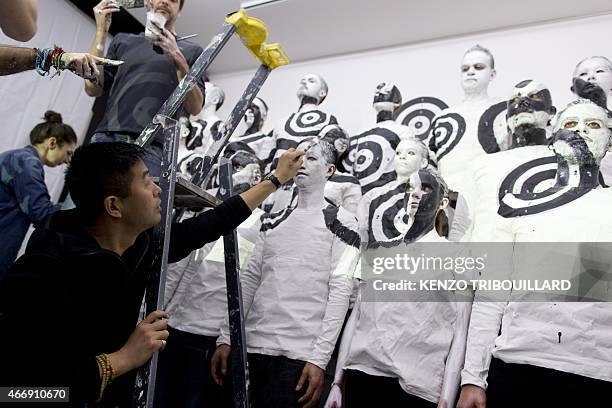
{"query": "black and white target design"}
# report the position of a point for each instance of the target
(308, 123)
(388, 220)
(418, 114)
(370, 156)
(446, 132)
(492, 127)
(521, 192)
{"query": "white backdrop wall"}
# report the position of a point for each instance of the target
(26, 96)
(546, 52)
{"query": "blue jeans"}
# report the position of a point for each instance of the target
(152, 161)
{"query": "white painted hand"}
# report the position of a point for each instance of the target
(334, 400)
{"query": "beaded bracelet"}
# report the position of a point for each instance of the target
(56, 58)
(107, 373)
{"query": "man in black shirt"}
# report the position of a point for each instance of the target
(139, 87)
(69, 306)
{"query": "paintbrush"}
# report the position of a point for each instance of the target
(109, 62)
(186, 37)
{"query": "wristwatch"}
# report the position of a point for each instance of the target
(273, 179)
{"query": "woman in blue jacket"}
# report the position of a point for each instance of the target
(24, 198)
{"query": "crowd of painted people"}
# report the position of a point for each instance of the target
(312, 204)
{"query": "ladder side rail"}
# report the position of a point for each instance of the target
(154, 295)
(172, 104)
(204, 171)
(239, 362)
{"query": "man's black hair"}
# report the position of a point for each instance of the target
(99, 170)
(182, 4)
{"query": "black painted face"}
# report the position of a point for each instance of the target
(258, 120)
(529, 99)
(387, 93)
(590, 91)
(426, 194)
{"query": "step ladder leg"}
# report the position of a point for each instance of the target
(202, 174)
(154, 296)
(239, 365)
(171, 106)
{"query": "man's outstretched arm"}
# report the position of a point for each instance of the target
(193, 233)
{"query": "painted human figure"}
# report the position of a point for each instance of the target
(382, 215)
(204, 129)
(184, 154)
(592, 80)
(296, 290)
(208, 120)
(254, 138)
(378, 349)
(196, 298)
(371, 153)
(529, 113)
(472, 128)
(558, 348)
(307, 122)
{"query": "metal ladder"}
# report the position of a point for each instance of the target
(178, 192)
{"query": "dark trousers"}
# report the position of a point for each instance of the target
(526, 386)
(362, 390)
(184, 378)
(273, 381)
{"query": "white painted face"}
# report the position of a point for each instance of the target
(595, 70)
(590, 121)
(311, 85)
(314, 170)
(409, 158)
(476, 72)
(384, 106)
(213, 95)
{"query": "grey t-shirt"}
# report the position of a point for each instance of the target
(139, 87)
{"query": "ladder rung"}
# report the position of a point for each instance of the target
(188, 195)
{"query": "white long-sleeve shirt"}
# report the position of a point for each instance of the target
(307, 122)
(196, 293)
(371, 154)
(462, 146)
(530, 331)
(481, 194)
(297, 284)
(344, 191)
(409, 340)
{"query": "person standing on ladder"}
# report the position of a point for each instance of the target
(138, 88)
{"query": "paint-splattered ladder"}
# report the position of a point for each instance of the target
(178, 192)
